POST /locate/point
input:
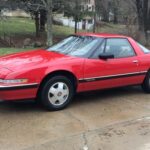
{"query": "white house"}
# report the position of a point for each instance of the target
(87, 23)
(14, 13)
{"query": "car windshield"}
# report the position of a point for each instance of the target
(144, 49)
(79, 46)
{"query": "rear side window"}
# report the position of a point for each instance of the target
(120, 48)
(144, 49)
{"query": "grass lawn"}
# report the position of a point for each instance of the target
(13, 26)
(5, 51)
(23, 26)
(112, 28)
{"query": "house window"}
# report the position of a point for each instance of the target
(90, 8)
(90, 21)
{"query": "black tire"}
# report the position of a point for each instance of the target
(44, 96)
(146, 83)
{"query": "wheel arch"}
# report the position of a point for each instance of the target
(148, 71)
(65, 73)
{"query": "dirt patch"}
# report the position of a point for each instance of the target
(3, 43)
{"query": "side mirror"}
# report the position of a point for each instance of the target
(106, 56)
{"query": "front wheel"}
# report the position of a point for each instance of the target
(57, 93)
(146, 83)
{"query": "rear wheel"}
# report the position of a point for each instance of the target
(57, 93)
(146, 83)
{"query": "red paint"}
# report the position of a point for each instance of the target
(36, 65)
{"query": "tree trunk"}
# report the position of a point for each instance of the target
(94, 25)
(42, 20)
(37, 24)
(49, 23)
(105, 16)
(139, 4)
(76, 26)
(143, 16)
(76, 16)
(115, 16)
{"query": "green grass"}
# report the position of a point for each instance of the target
(23, 26)
(111, 28)
(5, 51)
(17, 26)
(62, 31)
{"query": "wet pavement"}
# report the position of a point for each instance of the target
(116, 119)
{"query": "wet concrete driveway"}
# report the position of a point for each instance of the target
(106, 120)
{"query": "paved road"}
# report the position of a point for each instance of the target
(107, 120)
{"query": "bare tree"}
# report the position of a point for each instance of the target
(72, 8)
(45, 8)
(143, 13)
(104, 8)
(49, 9)
(115, 7)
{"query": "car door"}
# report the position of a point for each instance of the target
(122, 70)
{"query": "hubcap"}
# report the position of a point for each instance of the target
(58, 93)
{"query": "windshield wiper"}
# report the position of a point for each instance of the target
(54, 51)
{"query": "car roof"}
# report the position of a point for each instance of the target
(103, 35)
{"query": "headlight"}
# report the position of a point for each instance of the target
(13, 81)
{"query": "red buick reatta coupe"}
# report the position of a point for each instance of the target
(79, 63)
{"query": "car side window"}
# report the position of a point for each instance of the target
(119, 47)
(99, 50)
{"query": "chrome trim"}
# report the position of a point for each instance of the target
(19, 85)
(109, 76)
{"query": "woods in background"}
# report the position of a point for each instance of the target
(135, 14)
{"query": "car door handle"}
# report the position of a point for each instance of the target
(135, 61)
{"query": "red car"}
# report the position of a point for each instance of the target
(79, 63)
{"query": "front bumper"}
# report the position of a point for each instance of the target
(17, 92)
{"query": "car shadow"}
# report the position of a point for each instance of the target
(27, 105)
(107, 94)
(81, 98)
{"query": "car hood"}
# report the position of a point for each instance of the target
(29, 59)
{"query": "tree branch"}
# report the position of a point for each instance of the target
(44, 3)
